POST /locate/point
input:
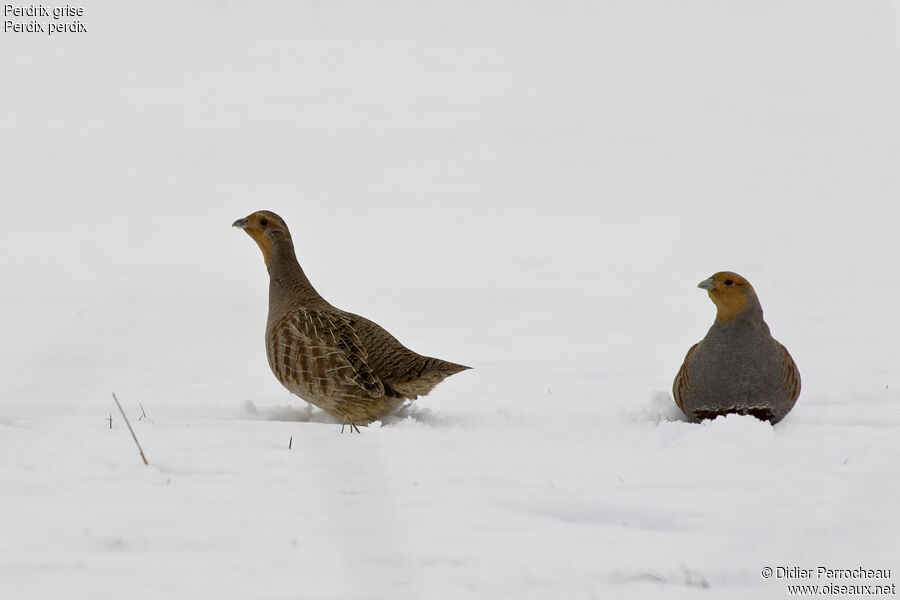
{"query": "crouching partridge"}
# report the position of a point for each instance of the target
(738, 367)
(343, 363)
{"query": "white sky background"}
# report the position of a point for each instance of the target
(533, 189)
(558, 177)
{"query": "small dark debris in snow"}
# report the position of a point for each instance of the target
(694, 579)
(648, 577)
(689, 578)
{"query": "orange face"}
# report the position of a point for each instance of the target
(729, 292)
(259, 225)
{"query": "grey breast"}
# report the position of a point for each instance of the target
(735, 366)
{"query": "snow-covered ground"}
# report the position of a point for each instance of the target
(533, 189)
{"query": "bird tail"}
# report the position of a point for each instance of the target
(431, 372)
(448, 367)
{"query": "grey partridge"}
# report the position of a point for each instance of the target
(343, 363)
(738, 367)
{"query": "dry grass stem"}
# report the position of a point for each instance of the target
(141, 450)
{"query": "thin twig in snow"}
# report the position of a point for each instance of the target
(141, 450)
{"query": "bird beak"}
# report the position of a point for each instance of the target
(242, 223)
(706, 284)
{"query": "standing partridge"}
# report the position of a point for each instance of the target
(738, 367)
(343, 363)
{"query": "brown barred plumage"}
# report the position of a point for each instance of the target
(682, 379)
(338, 361)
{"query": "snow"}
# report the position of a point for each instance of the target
(532, 189)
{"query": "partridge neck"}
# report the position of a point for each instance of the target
(750, 318)
(288, 283)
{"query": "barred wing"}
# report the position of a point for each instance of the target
(681, 385)
(790, 375)
(321, 351)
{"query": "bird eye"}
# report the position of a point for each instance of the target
(263, 222)
(729, 282)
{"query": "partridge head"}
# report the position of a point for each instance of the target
(266, 228)
(733, 295)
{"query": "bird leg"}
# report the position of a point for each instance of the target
(349, 422)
